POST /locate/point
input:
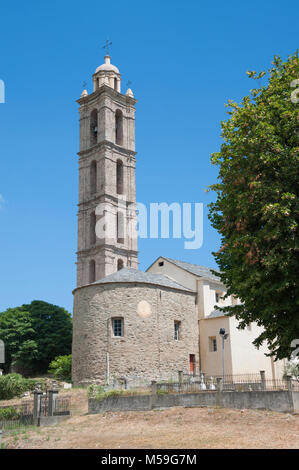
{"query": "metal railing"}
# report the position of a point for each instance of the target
(62, 405)
(29, 412)
(22, 416)
(189, 383)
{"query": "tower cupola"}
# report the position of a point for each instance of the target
(107, 74)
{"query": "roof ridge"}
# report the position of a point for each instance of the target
(192, 264)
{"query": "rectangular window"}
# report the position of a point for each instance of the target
(118, 326)
(177, 330)
(218, 296)
(212, 344)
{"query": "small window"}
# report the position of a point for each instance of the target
(120, 264)
(218, 296)
(177, 330)
(118, 127)
(119, 177)
(120, 228)
(94, 127)
(117, 326)
(92, 271)
(161, 263)
(93, 177)
(212, 344)
(92, 226)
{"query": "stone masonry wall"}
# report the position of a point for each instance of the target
(105, 153)
(148, 349)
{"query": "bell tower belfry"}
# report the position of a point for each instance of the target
(107, 218)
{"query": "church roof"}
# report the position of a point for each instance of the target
(134, 275)
(216, 314)
(196, 269)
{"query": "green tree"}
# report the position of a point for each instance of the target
(256, 210)
(17, 332)
(35, 334)
(61, 368)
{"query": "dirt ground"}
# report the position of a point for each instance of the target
(173, 428)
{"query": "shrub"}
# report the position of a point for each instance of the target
(98, 392)
(13, 385)
(162, 392)
(95, 390)
(61, 368)
(8, 413)
(291, 368)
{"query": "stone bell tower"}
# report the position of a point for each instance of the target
(107, 235)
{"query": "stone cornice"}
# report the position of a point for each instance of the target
(105, 89)
(109, 198)
(105, 246)
(107, 145)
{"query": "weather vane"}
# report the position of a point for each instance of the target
(84, 84)
(108, 43)
(129, 83)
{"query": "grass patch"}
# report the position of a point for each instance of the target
(98, 392)
(162, 392)
(21, 430)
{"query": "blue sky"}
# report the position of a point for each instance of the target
(184, 59)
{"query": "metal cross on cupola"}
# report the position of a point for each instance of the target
(106, 46)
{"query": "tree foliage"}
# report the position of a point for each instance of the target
(13, 385)
(35, 334)
(61, 368)
(256, 210)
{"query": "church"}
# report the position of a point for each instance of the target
(128, 323)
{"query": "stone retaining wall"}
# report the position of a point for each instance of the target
(282, 401)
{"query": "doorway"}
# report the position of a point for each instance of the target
(192, 363)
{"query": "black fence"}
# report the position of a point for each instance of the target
(18, 415)
(29, 412)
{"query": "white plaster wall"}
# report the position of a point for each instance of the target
(246, 358)
(174, 272)
(210, 289)
(211, 362)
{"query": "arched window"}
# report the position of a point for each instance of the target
(120, 264)
(120, 227)
(93, 177)
(115, 84)
(119, 177)
(94, 127)
(92, 228)
(92, 271)
(118, 127)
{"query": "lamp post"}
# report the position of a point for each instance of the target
(223, 336)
